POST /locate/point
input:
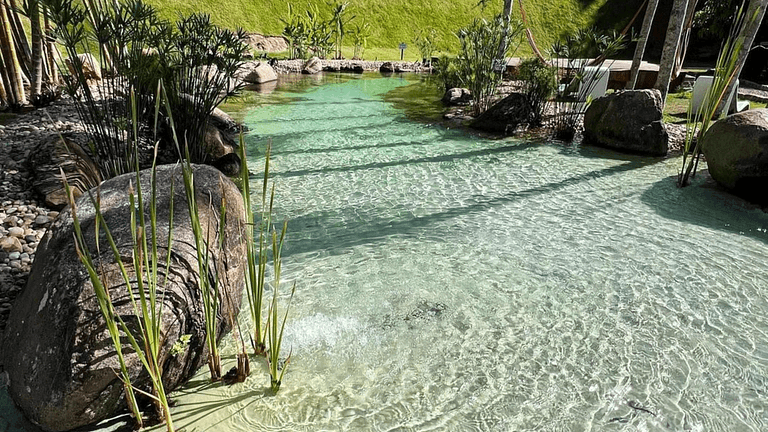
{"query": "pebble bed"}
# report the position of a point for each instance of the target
(24, 218)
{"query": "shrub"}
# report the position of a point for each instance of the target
(540, 83)
(194, 58)
(479, 48)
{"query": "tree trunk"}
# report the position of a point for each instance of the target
(50, 47)
(650, 12)
(671, 44)
(507, 15)
(685, 39)
(3, 94)
(36, 81)
(13, 68)
(752, 20)
(20, 37)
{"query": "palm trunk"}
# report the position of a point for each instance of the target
(671, 44)
(650, 12)
(507, 15)
(753, 17)
(686, 37)
(12, 66)
(20, 38)
(50, 49)
(3, 94)
(36, 81)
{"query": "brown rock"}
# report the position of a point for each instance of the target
(10, 244)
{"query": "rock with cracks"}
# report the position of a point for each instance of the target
(506, 115)
(62, 365)
(736, 149)
(457, 97)
(628, 121)
(257, 72)
(312, 66)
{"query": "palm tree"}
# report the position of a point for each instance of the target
(671, 46)
(650, 12)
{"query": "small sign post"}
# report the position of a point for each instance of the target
(499, 65)
(402, 47)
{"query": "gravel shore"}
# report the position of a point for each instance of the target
(24, 218)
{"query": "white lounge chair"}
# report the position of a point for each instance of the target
(701, 87)
(595, 82)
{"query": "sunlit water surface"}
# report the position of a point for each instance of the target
(447, 282)
(450, 282)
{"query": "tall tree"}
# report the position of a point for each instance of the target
(650, 12)
(685, 38)
(753, 18)
(671, 46)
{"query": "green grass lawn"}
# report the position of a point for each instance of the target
(395, 21)
(676, 108)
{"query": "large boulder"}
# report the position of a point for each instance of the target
(629, 121)
(312, 66)
(266, 43)
(62, 364)
(91, 66)
(387, 67)
(736, 149)
(257, 73)
(55, 153)
(505, 115)
(457, 97)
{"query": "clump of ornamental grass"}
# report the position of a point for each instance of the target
(697, 123)
(147, 300)
(267, 337)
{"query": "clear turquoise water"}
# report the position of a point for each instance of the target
(447, 282)
(450, 282)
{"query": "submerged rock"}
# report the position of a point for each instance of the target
(736, 149)
(62, 364)
(629, 121)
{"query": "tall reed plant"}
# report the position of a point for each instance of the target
(698, 122)
(147, 300)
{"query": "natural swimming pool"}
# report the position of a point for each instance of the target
(450, 282)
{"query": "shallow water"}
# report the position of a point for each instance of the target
(451, 282)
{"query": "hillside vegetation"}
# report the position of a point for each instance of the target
(395, 21)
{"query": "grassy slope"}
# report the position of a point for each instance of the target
(395, 21)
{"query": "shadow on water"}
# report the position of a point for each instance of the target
(339, 236)
(708, 205)
(349, 148)
(431, 159)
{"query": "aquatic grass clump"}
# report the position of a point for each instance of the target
(697, 123)
(267, 337)
(147, 301)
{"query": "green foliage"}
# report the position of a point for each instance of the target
(699, 122)
(360, 33)
(194, 58)
(147, 340)
(308, 33)
(339, 22)
(393, 21)
(475, 61)
(448, 73)
(426, 42)
(713, 19)
(540, 83)
(575, 52)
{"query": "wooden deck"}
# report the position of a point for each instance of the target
(620, 70)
